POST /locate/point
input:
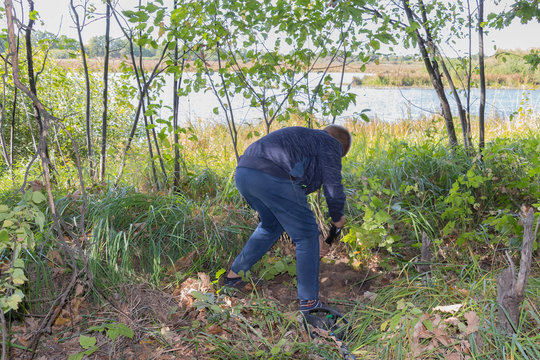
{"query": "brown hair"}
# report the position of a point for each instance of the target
(341, 134)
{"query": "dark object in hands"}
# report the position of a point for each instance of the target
(334, 232)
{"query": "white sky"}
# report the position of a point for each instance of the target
(56, 17)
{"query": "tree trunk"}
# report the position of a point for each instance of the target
(31, 75)
(461, 111)
(150, 118)
(87, 86)
(510, 288)
(432, 68)
(176, 101)
(151, 153)
(143, 89)
(103, 157)
(466, 126)
(233, 131)
(3, 146)
(12, 128)
(482, 75)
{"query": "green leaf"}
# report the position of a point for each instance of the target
(428, 324)
(394, 321)
(364, 117)
(96, 328)
(91, 350)
(38, 197)
(416, 311)
(4, 236)
(77, 356)
(33, 15)
(375, 44)
(220, 273)
(13, 301)
(18, 276)
(87, 341)
(151, 8)
(40, 220)
(18, 263)
(117, 329)
(200, 296)
(125, 331)
(4, 208)
(27, 196)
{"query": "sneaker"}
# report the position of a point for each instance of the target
(239, 284)
(307, 305)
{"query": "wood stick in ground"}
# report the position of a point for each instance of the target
(510, 288)
(424, 265)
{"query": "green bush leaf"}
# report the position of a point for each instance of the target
(87, 341)
(38, 197)
(77, 356)
(18, 276)
(40, 220)
(27, 196)
(13, 301)
(18, 263)
(4, 236)
(117, 329)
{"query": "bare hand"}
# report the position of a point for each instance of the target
(341, 223)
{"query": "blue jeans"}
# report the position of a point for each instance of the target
(282, 205)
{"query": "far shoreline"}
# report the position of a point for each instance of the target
(383, 75)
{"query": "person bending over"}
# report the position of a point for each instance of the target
(274, 175)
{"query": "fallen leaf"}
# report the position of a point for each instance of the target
(454, 356)
(439, 330)
(215, 329)
(183, 263)
(369, 295)
(205, 281)
(448, 308)
(61, 321)
(420, 331)
(473, 322)
(183, 292)
(79, 289)
(167, 334)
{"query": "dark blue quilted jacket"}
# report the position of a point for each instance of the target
(311, 157)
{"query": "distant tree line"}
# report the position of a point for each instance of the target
(64, 47)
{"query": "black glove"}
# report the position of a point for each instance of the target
(332, 234)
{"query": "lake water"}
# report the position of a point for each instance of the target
(387, 104)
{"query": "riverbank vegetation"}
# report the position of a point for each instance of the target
(149, 250)
(119, 219)
(505, 69)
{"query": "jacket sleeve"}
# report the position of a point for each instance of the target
(331, 176)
